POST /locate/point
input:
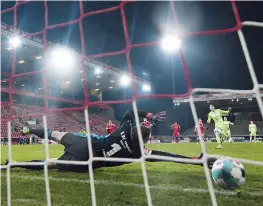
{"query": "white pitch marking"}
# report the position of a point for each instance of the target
(127, 184)
(35, 201)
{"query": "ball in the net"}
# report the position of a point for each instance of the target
(228, 174)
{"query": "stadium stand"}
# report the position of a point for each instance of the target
(75, 120)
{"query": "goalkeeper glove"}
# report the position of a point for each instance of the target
(158, 117)
(210, 160)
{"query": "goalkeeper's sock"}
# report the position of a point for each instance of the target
(41, 133)
(31, 167)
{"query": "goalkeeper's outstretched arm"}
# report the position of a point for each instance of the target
(129, 116)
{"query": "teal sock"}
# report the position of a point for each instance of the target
(49, 132)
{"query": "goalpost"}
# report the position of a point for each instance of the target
(126, 51)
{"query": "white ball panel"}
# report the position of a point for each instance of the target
(241, 181)
(218, 164)
(236, 172)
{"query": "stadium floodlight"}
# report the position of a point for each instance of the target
(125, 81)
(67, 82)
(61, 59)
(21, 61)
(110, 87)
(146, 88)
(112, 81)
(97, 71)
(171, 43)
(15, 42)
(38, 57)
(97, 89)
(97, 84)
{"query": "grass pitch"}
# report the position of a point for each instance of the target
(170, 183)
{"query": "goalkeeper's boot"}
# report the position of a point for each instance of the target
(25, 130)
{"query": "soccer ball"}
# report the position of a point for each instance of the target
(228, 174)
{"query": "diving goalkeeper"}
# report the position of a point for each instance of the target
(216, 115)
(122, 143)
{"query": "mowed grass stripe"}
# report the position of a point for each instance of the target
(125, 184)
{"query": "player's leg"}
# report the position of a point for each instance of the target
(198, 138)
(250, 135)
(178, 139)
(224, 135)
(255, 136)
(218, 134)
(51, 165)
(51, 135)
(230, 139)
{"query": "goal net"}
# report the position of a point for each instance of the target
(188, 96)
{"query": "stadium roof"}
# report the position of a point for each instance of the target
(30, 59)
(216, 96)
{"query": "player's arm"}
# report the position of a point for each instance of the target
(249, 128)
(223, 112)
(129, 116)
(231, 123)
(166, 154)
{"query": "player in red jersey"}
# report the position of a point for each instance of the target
(202, 130)
(176, 134)
(110, 127)
(149, 125)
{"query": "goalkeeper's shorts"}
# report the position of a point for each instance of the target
(253, 134)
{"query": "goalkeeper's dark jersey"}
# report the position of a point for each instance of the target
(119, 143)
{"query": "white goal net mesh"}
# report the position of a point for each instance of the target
(255, 91)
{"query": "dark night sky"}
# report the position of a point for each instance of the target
(214, 61)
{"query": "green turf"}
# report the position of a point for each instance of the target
(171, 183)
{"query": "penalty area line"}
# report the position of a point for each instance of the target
(127, 184)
